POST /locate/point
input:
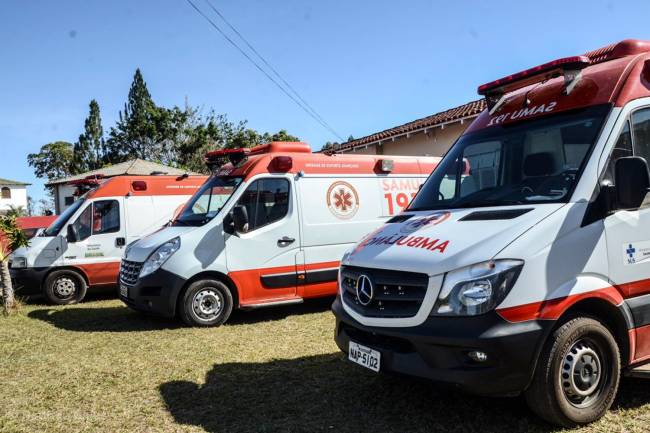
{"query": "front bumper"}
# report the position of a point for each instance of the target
(157, 293)
(438, 349)
(28, 281)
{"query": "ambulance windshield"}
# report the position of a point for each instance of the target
(208, 201)
(536, 161)
(58, 223)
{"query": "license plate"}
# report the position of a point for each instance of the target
(124, 291)
(364, 356)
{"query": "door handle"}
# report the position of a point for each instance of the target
(120, 242)
(285, 240)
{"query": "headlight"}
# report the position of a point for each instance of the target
(476, 289)
(160, 256)
(19, 262)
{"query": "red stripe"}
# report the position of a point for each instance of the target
(554, 308)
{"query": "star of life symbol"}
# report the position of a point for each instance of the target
(630, 252)
(342, 200)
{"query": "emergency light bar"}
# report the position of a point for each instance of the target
(569, 67)
(86, 184)
(217, 158)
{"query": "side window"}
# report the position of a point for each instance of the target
(622, 148)
(106, 217)
(641, 133)
(6, 192)
(266, 201)
(82, 226)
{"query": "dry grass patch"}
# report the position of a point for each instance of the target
(99, 367)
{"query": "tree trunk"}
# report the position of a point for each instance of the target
(7, 288)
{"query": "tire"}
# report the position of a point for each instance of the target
(206, 303)
(577, 374)
(65, 287)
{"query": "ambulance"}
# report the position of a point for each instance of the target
(523, 264)
(83, 246)
(268, 228)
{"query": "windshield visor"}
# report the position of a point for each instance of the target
(208, 201)
(58, 224)
(537, 161)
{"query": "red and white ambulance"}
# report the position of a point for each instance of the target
(82, 248)
(523, 264)
(268, 228)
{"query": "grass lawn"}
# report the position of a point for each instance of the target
(100, 367)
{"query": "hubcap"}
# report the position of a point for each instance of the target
(64, 287)
(207, 303)
(582, 373)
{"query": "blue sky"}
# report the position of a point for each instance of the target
(364, 65)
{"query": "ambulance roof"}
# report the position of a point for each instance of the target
(147, 186)
(295, 157)
(615, 74)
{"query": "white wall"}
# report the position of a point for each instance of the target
(18, 197)
(63, 191)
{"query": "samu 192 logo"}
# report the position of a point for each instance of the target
(342, 200)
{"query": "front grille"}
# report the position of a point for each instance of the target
(396, 294)
(129, 272)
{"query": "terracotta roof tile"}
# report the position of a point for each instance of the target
(470, 109)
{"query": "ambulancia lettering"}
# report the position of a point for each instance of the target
(523, 113)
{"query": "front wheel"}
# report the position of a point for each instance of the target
(65, 287)
(577, 375)
(206, 303)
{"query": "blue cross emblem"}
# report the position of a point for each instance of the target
(630, 251)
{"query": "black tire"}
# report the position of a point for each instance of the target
(65, 287)
(577, 374)
(206, 303)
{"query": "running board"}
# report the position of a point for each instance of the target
(272, 304)
(640, 371)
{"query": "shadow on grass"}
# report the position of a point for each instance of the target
(108, 319)
(122, 319)
(326, 393)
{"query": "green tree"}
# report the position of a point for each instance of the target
(136, 133)
(53, 161)
(281, 135)
(90, 149)
(11, 238)
(16, 211)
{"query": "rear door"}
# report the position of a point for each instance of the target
(262, 261)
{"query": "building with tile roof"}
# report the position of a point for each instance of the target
(431, 135)
(13, 193)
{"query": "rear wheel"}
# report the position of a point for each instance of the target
(65, 287)
(577, 374)
(206, 303)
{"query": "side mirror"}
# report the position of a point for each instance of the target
(632, 182)
(71, 235)
(240, 218)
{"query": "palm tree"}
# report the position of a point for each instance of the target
(16, 211)
(11, 238)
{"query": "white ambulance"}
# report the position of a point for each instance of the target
(523, 264)
(268, 228)
(83, 246)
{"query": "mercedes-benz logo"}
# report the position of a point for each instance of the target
(365, 291)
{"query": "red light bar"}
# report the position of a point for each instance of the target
(534, 75)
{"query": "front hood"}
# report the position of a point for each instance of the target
(143, 247)
(434, 242)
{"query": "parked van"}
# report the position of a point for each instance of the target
(268, 228)
(523, 264)
(83, 246)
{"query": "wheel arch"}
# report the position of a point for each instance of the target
(65, 268)
(617, 318)
(216, 275)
